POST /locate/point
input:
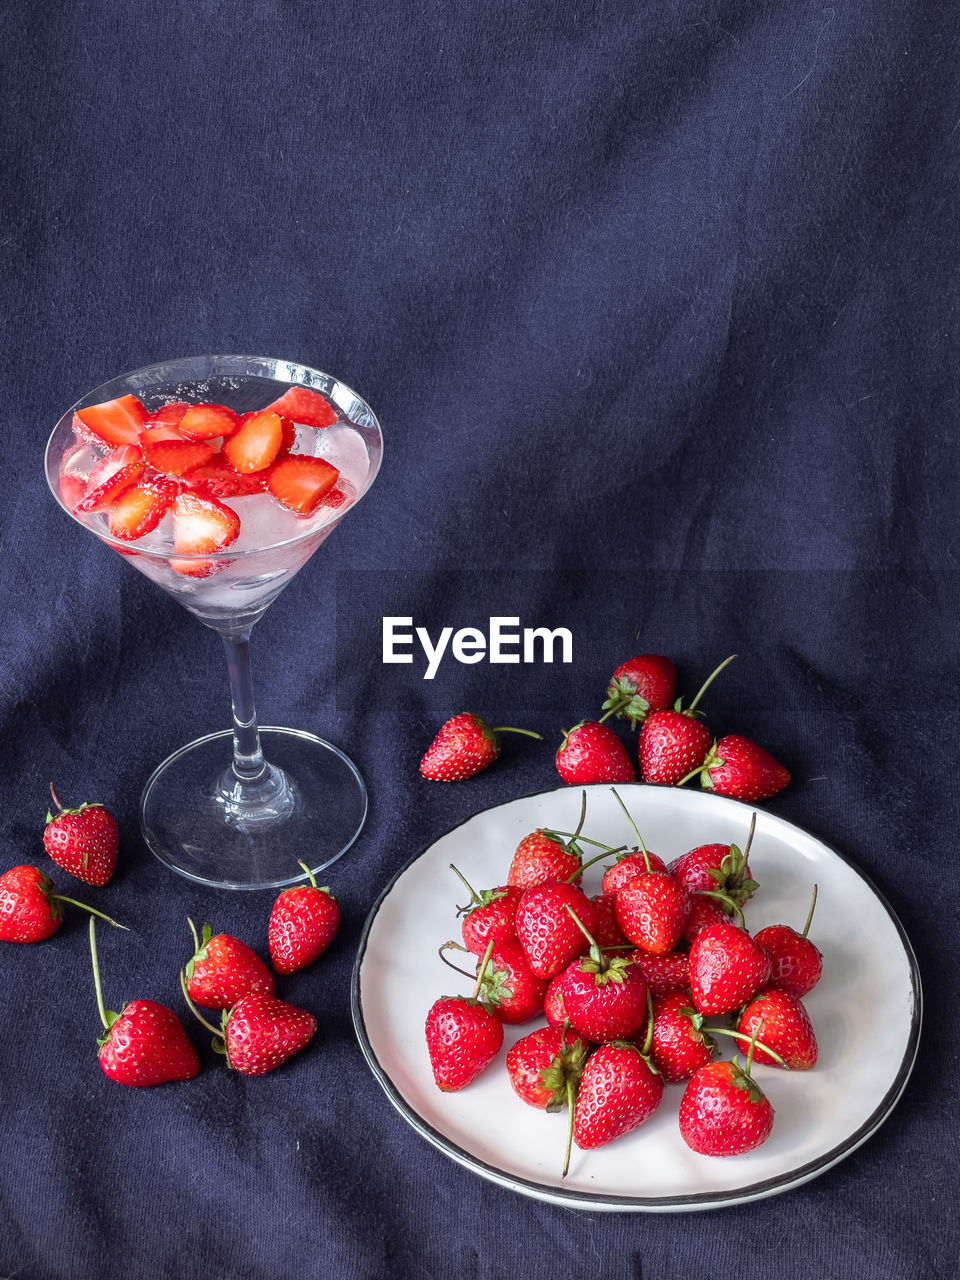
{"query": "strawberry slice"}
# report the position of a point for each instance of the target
(168, 415)
(257, 443)
(206, 421)
(150, 435)
(219, 481)
(121, 467)
(201, 525)
(177, 457)
(300, 482)
(114, 422)
(139, 509)
(308, 408)
(341, 496)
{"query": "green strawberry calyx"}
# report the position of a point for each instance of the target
(624, 702)
(200, 949)
(566, 1065)
(483, 898)
(61, 812)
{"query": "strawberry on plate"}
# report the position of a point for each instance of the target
(113, 422)
(797, 965)
(784, 1026)
(301, 482)
(541, 858)
(652, 911)
(727, 967)
(544, 1067)
(207, 421)
(618, 1091)
(121, 468)
(463, 1037)
(201, 526)
(306, 407)
(256, 442)
(139, 509)
(723, 1111)
(177, 457)
(547, 929)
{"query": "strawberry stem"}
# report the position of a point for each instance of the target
(483, 964)
(194, 1010)
(196, 940)
(617, 705)
(809, 921)
(474, 896)
(648, 1038)
(750, 834)
(101, 1008)
(310, 875)
(528, 733)
(701, 768)
(643, 847)
(709, 681)
(590, 861)
(570, 1102)
(59, 897)
(753, 1041)
(594, 948)
(455, 967)
(583, 817)
(56, 799)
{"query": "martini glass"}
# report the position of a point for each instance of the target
(241, 808)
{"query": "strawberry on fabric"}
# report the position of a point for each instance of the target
(176, 457)
(737, 767)
(727, 967)
(305, 407)
(544, 1067)
(639, 686)
(723, 1111)
(678, 1044)
(548, 932)
(618, 1091)
(113, 422)
(256, 441)
(260, 1033)
(592, 752)
(201, 526)
(465, 744)
(83, 840)
(652, 911)
(207, 422)
(139, 509)
(674, 742)
(301, 482)
(144, 1044)
(796, 964)
(303, 923)
(223, 969)
(121, 468)
(30, 911)
(784, 1026)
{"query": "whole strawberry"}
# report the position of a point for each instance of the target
(784, 1026)
(652, 911)
(727, 967)
(510, 986)
(144, 1044)
(464, 745)
(702, 913)
(674, 742)
(796, 964)
(723, 1111)
(489, 915)
(29, 909)
(223, 969)
(83, 841)
(606, 928)
(626, 867)
(592, 752)
(665, 973)
(639, 686)
(678, 1046)
(737, 767)
(463, 1037)
(720, 870)
(303, 923)
(618, 1091)
(547, 930)
(261, 1032)
(541, 858)
(544, 1067)
(604, 998)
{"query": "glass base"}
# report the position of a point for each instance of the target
(311, 807)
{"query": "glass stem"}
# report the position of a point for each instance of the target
(248, 762)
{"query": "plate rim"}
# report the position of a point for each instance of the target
(599, 1201)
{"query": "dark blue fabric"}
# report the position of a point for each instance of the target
(657, 303)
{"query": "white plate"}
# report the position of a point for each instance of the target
(866, 1011)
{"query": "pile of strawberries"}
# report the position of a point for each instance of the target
(145, 1043)
(625, 981)
(674, 745)
(184, 458)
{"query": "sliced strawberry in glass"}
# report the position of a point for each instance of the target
(206, 421)
(114, 422)
(162, 431)
(139, 509)
(309, 408)
(121, 467)
(168, 415)
(219, 481)
(201, 525)
(300, 481)
(257, 442)
(341, 496)
(177, 457)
